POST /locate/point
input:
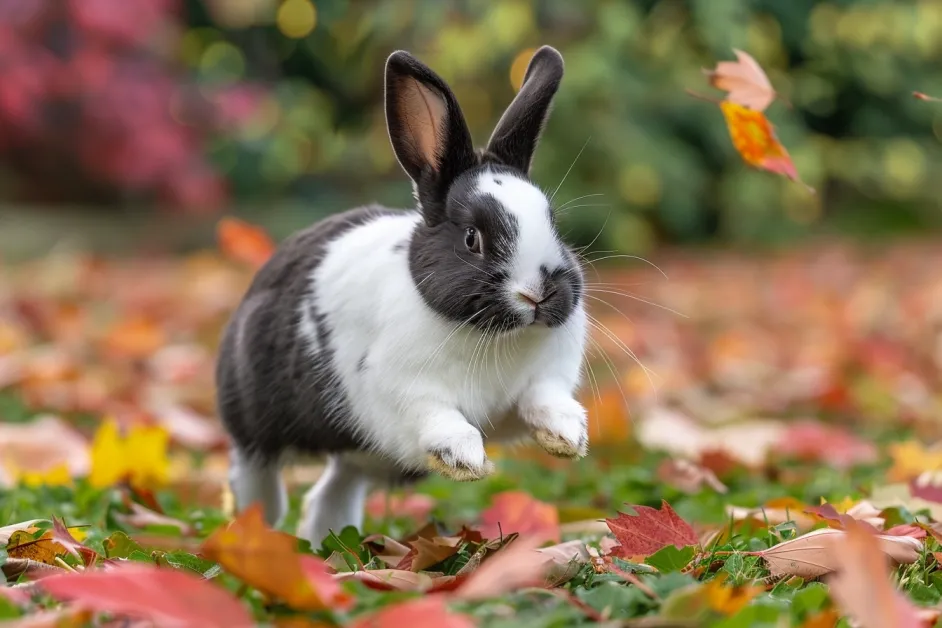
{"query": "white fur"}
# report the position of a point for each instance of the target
(252, 482)
(536, 245)
(432, 384)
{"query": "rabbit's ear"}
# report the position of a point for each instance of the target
(426, 127)
(515, 138)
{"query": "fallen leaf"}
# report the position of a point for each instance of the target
(688, 476)
(269, 561)
(43, 550)
(728, 599)
(816, 442)
(517, 511)
(142, 517)
(134, 338)
(775, 511)
(754, 138)
(824, 619)
(648, 530)
(745, 81)
(244, 242)
(566, 559)
(40, 447)
(428, 552)
(390, 579)
(139, 457)
(62, 536)
(810, 555)
(415, 506)
(429, 612)
(515, 566)
(861, 584)
(166, 596)
(189, 428)
(911, 460)
(7, 531)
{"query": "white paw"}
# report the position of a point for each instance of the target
(560, 427)
(456, 450)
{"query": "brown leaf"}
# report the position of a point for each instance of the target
(513, 567)
(861, 586)
(565, 560)
(810, 555)
(43, 550)
(745, 81)
(688, 477)
(390, 579)
(141, 517)
(428, 552)
(649, 530)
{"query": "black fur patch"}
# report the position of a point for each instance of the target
(273, 392)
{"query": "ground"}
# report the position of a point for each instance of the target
(780, 396)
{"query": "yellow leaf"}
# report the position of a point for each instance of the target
(910, 460)
(54, 476)
(107, 455)
(729, 600)
(146, 453)
(140, 457)
(755, 140)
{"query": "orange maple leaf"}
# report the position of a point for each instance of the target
(244, 242)
(754, 138)
(269, 560)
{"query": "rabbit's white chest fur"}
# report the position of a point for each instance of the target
(400, 363)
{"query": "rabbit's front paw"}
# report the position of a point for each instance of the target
(459, 454)
(560, 428)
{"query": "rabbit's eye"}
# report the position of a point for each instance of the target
(472, 240)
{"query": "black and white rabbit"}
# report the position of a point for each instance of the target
(399, 342)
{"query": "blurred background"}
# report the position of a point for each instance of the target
(129, 128)
(167, 112)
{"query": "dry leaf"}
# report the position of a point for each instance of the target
(392, 579)
(729, 600)
(269, 561)
(688, 476)
(565, 560)
(41, 446)
(428, 552)
(649, 530)
(810, 555)
(169, 597)
(861, 586)
(43, 550)
(745, 81)
(754, 138)
(244, 242)
(513, 567)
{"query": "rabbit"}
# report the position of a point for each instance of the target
(396, 343)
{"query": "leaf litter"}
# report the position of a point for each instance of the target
(727, 484)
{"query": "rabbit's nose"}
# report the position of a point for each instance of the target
(529, 298)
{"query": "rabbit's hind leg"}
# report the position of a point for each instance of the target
(253, 481)
(335, 501)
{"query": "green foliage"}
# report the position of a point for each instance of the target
(661, 160)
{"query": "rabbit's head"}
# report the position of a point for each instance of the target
(487, 252)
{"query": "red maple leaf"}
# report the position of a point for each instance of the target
(516, 511)
(649, 530)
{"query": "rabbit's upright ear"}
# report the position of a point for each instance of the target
(515, 138)
(426, 127)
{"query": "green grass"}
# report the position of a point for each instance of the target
(596, 487)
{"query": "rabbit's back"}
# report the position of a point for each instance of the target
(277, 384)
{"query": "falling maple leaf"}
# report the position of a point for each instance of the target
(921, 96)
(165, 596)
(861, 586)
(269, 561)
(244, 242)
(520, 512)
(754, 138)
(649, 530)
(745, 81)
